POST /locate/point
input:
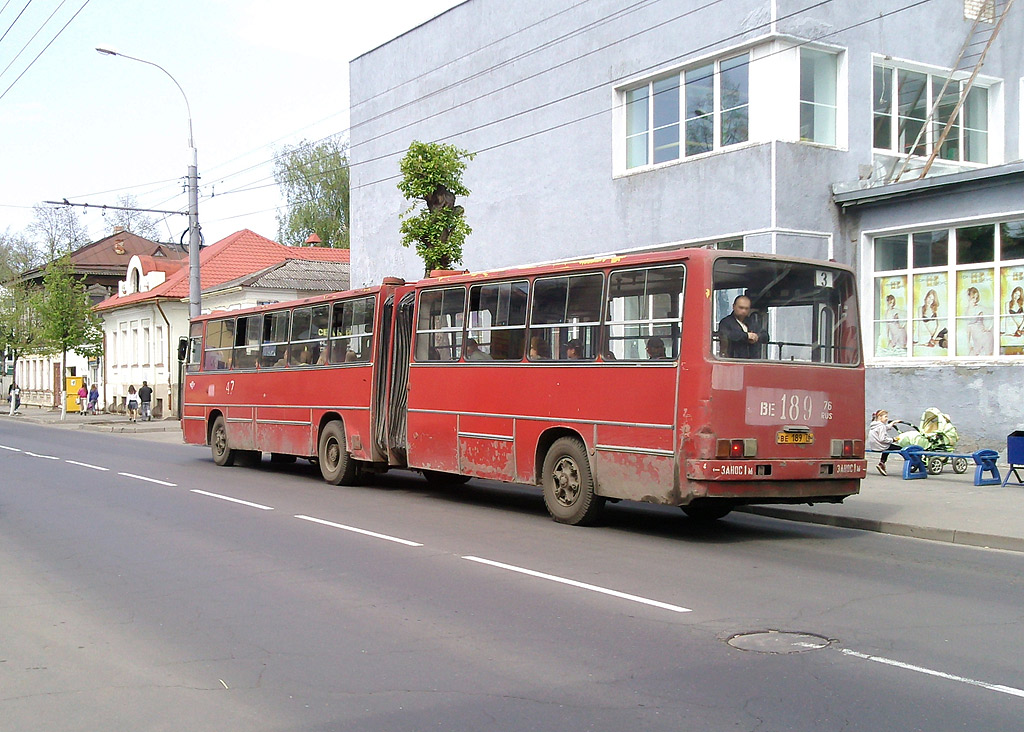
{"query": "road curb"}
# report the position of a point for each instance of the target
(949, 536)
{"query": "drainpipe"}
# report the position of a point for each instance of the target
(170, 353)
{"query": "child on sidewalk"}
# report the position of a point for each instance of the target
(880, 439)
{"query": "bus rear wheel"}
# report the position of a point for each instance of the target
(569, 484)
(336, 465)
(223, 455)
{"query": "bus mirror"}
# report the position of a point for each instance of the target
(182, 348)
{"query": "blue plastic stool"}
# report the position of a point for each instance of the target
(985, 460)
(913, 462)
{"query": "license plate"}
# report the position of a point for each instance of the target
(794, 438)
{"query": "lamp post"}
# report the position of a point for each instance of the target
(194, 288)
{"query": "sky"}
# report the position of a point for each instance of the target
(258, 75)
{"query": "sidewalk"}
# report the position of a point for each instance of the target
(945, 507)
(92, 422)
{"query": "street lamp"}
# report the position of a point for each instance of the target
(194, 289)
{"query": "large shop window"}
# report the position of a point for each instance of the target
(902, 99)
(955, 292)
(696, 111)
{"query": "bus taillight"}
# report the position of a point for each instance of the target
(736, 448)
(847, 448)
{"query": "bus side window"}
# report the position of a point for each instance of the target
(274, 343)
(195, 343)
(497, 321)
(439, 324)
(247, 342)
(643, 319)
(566, 317)
(220, 337)
(351, 336)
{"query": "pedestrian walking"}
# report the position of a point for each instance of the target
(879, 438)
(14, 394)
(94, 398)
(146, 401)
(83, 398)
(132, 403)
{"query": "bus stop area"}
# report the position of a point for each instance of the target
(947, 507)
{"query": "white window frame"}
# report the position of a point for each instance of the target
(951, 269)
(622, 137)
(935, 77)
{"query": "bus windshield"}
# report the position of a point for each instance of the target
(772, 310)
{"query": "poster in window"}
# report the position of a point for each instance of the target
(891, 316)
(931, 326)
(1011, 325)
(974, 311)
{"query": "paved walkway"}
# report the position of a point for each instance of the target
(945, 507)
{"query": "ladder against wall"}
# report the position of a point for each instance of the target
(987, 17)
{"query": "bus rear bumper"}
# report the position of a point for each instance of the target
(776, 471)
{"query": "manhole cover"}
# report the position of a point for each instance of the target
(778, 641)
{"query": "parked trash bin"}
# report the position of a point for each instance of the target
(1015, 455)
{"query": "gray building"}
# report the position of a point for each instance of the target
(886, 135)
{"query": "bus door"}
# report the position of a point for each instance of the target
(398, 387)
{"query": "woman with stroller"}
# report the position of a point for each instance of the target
(879, 438)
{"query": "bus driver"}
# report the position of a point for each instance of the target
(739, 338)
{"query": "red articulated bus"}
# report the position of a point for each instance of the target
(612, 378)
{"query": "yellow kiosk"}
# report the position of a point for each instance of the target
(71, 385)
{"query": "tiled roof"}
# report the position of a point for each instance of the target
(111, 254)
(298, 274)
(233, 257)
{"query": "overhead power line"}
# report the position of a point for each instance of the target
(604, 110)
(32, 63)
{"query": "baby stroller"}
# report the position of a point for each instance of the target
(936, 433)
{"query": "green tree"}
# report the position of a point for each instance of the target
(432, 175)
(69, 323)
(314, 178)
(20, 329)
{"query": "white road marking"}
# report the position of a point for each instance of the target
(233, 500)
(374, 534)
(44, 457)
(582, 585)
(86, 465)
(12, 449)
(930, 672)
(149, 480)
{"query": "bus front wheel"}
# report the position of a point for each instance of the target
(336, 465)
(569, 484)
(222, 454)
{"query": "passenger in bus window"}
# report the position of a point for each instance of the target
(574, 349)
(739, 337)
(321, 360)
(539, 348)
(473, 352)
(351, 356)
(283, 361)
(655, 348)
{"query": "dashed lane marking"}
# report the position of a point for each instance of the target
(12, 449)
(353, 529)
(149, 480)
(44, 457)
(931, 672)
(85, 465)
(233, 500)
(581, 585)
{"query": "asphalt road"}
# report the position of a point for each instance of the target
(164, 593)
